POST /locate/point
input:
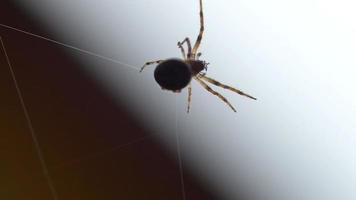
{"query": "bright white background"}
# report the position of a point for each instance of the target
(297, 142)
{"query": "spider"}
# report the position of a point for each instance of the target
(175, 74)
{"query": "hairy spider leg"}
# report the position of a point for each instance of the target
(150, 63)
(180, 44)
(214, 92)
(182, 50)
(200, 36)
(217, 83)
(189, 96)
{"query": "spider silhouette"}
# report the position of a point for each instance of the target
(175, 74)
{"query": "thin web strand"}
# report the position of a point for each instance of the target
(95, 155)
(49, 180)
(98, 154)
(70, 46)
(179, 152)
(30, 126)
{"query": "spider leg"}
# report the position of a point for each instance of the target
(200, 36)
(182, 50)
(214, 92)
(217, 83)
(180, 45)
(150, 63)
(189, 96)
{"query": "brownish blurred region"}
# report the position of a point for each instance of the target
(92, 147)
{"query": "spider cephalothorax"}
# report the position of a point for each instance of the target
(176, 74)
(196, 66)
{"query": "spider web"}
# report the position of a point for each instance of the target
(95, 155)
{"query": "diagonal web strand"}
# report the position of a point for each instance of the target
(70, 46)
(30, 126)
(89, 53)
(100, 153)
(40, 155)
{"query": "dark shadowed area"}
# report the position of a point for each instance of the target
(92, 147)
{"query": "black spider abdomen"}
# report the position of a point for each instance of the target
(173, 74)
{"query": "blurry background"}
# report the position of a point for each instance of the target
(93, 147)
(108, 132)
